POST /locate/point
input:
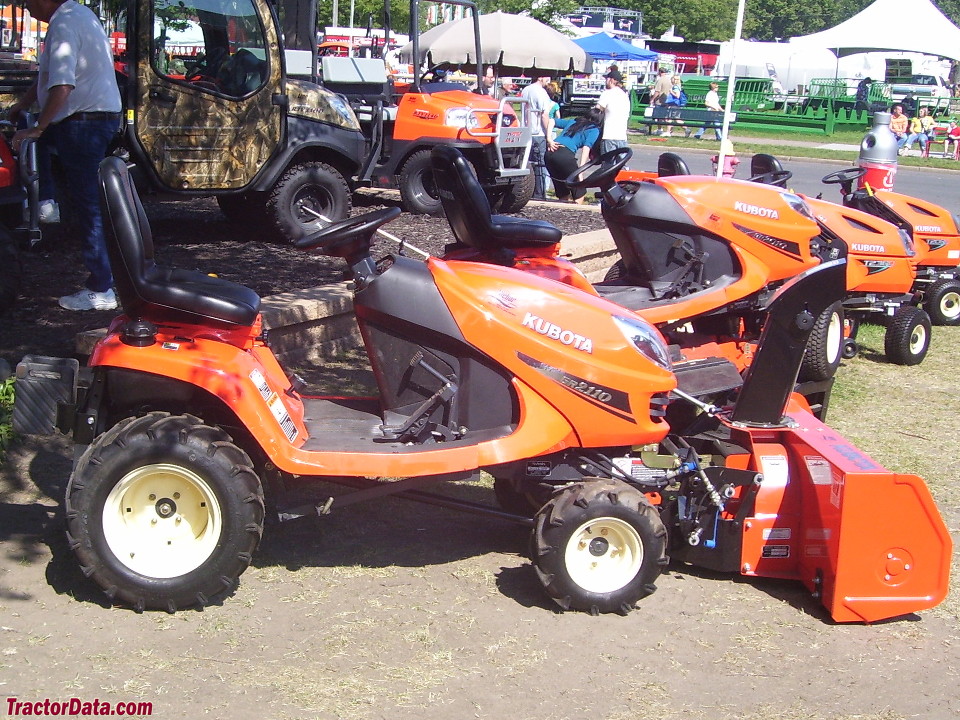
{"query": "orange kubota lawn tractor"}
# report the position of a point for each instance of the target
(936, 235)
(189, 430)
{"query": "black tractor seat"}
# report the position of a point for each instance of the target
(468, 210)
(146, 290)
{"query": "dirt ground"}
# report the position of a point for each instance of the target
(392, 610)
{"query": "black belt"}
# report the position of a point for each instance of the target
(115, 116)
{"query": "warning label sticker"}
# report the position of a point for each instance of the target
(777, 533)
(819, 470)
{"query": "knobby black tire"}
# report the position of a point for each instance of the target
(418, 189)
(514, 198)
(617, 271)
(824, 351)
(907, 338)
(305, 191)
(146, 444)
(589, 505)
(943, 302)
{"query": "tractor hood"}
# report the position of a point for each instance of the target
(309, 100)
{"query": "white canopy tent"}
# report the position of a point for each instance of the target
(917, 26)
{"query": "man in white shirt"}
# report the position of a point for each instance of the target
(76, 89)
(615, 104)
(541, 128)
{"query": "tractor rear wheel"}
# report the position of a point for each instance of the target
(943, 302)
(825, 345)
(164, 512)
(418, 189)
(908, 336)
(598, 546)
(617, 271)
(304, 196)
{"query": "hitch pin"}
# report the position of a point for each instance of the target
(706, 407)
(389, 236)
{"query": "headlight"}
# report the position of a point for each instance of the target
(907, 239)
(956, 222)
(645, 339)
(798, 204)
(461, 117)
(348, 118)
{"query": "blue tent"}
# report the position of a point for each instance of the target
(606, 47)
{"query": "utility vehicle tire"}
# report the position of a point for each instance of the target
(908, 336)
(598, 546)
(418, 189)
(943, 302)
(512, 198)
(164, 512)
(10, 270)
(825, 346)
(303, 194)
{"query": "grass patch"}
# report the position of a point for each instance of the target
(6, 414)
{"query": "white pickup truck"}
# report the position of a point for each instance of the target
(920, 86)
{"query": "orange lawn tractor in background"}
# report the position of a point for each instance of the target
(189, 432)
(936, 235)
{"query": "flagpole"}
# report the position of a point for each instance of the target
(731, 81)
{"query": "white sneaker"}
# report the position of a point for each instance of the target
(90, 300)
(49, 212)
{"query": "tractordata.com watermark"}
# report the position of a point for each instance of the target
(75, 707)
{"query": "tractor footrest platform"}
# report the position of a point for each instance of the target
(44, 384)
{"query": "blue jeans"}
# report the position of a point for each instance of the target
(538, 152)
(81, 145)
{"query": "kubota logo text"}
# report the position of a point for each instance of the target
(865, 247)
(756, 210)
(929, 228)
(555, 332)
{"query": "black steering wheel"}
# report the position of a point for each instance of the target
(205, 66)
(437, 73)
(608, 166)
(350, 237)
(842, 177)
(774, 177)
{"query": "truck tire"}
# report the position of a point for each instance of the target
(10, 270)
(908, 336)
(943, 302)
(825, 346)
(418, 190)
(512, 198)
(598, 546)
(164, 512)
(303, 194)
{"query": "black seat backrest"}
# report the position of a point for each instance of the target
(150, 291)
(671, 164)
(468, 210)
(761, 164)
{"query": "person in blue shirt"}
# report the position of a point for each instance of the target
(570, 149)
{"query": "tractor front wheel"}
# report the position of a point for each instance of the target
(418, 189)
(943, 302)
(825, 346)
(598, 546)
(908, 336)
(164, 512)
(307, 197)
